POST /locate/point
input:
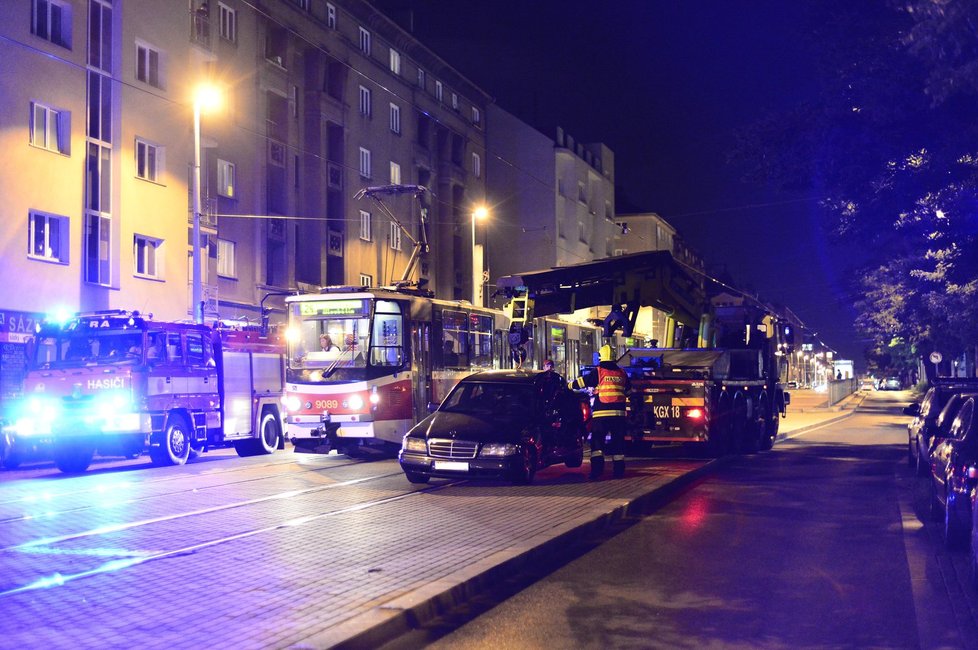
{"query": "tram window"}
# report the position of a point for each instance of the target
(455, 353)
(481, 341)
(388, 336)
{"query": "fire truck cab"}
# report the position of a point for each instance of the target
(120, 384)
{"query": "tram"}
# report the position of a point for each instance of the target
(394, 352)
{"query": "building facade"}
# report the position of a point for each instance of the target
(318, 101)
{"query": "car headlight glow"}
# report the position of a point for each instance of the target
(414, 444)
(497, 449)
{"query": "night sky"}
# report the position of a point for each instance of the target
(664, 85)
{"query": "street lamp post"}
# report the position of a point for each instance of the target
(480, 212)
(206, 97)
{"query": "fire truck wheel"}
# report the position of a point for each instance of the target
(269, 433)
(73, 456)
(9, 458)
(764, 436)
(526, 466)
(174, 449)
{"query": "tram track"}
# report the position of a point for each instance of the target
(132, 559)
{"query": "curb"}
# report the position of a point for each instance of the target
(420, 608)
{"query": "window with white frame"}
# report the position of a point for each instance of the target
(439, 91)
(225, 178)
(50, 128)
(422, 78)
(395, 61)
(51, 20)
(149, 160)
(476, 116)
(47, 237)
(365, 233)
(146, 251)
(149, 65)
(227, 263)
(455, 101)
(395, 118)
(364, 41)
(365, 166)
(395, 173)
(395, 237)
(365, 101)
(331, 15)
(228, 22)
(366, 280)
(476, 165)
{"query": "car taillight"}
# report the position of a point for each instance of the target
(972, 471)
(695, 414)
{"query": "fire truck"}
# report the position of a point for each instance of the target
(118, 383)
(725, 397)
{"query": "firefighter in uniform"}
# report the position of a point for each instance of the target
(611, 386)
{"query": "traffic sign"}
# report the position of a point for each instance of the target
(935, 357)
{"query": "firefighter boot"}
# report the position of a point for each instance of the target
(597, 466)
(618, 466)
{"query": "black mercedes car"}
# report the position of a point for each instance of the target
(498, 424)
(954, 474)
(932, 418)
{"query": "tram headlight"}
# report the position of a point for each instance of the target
(291, 403)
(374, 397)
(355, 402)
(497, 449)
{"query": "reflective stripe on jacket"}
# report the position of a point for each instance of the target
(611, 385)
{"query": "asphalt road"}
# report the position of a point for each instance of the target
(822, 543)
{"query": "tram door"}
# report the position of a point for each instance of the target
(421, 367)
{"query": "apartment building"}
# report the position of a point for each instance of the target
(318, 100)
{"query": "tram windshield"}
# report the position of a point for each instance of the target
(334, 337)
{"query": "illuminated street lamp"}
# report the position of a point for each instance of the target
(206, 98)
(481, 212)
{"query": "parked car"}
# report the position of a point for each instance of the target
(929, 416)
(954, 473)
(497, 424)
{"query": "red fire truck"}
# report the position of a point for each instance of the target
(120, 384)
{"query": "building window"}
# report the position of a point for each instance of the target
(395, 237)
(581, 192)
(476, 165)
(455, 101)
(146, 251)
(439, 91)
(51, 20)
(301, 4)
(229, 22)
(98, 245)
(331, 15)
(225, 178)
(366, 280)
(365, 233)
(395, 118)
(581, 232)
(50, 128)
(365, 101)
(422, 78)
(365, 41)
(395, 173)
(227, 265)
(149, 160)
(148, 65)
(365, 163)
(47, 237)
(476, 116)
(395, 61)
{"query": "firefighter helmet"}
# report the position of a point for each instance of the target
(605, 354)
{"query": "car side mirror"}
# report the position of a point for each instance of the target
(787, 398)
(432, 407)
(913, 410)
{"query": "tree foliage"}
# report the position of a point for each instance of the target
(891, 145)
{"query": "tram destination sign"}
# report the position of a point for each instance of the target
(333, 308)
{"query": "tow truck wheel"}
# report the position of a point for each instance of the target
(174, 449)
(73, 456)
(764, 437)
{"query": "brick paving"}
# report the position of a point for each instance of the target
(220, 558)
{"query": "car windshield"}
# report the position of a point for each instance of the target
(486, 399)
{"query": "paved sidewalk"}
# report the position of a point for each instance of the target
(421, 606)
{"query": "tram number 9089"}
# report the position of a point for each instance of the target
(327, 404)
